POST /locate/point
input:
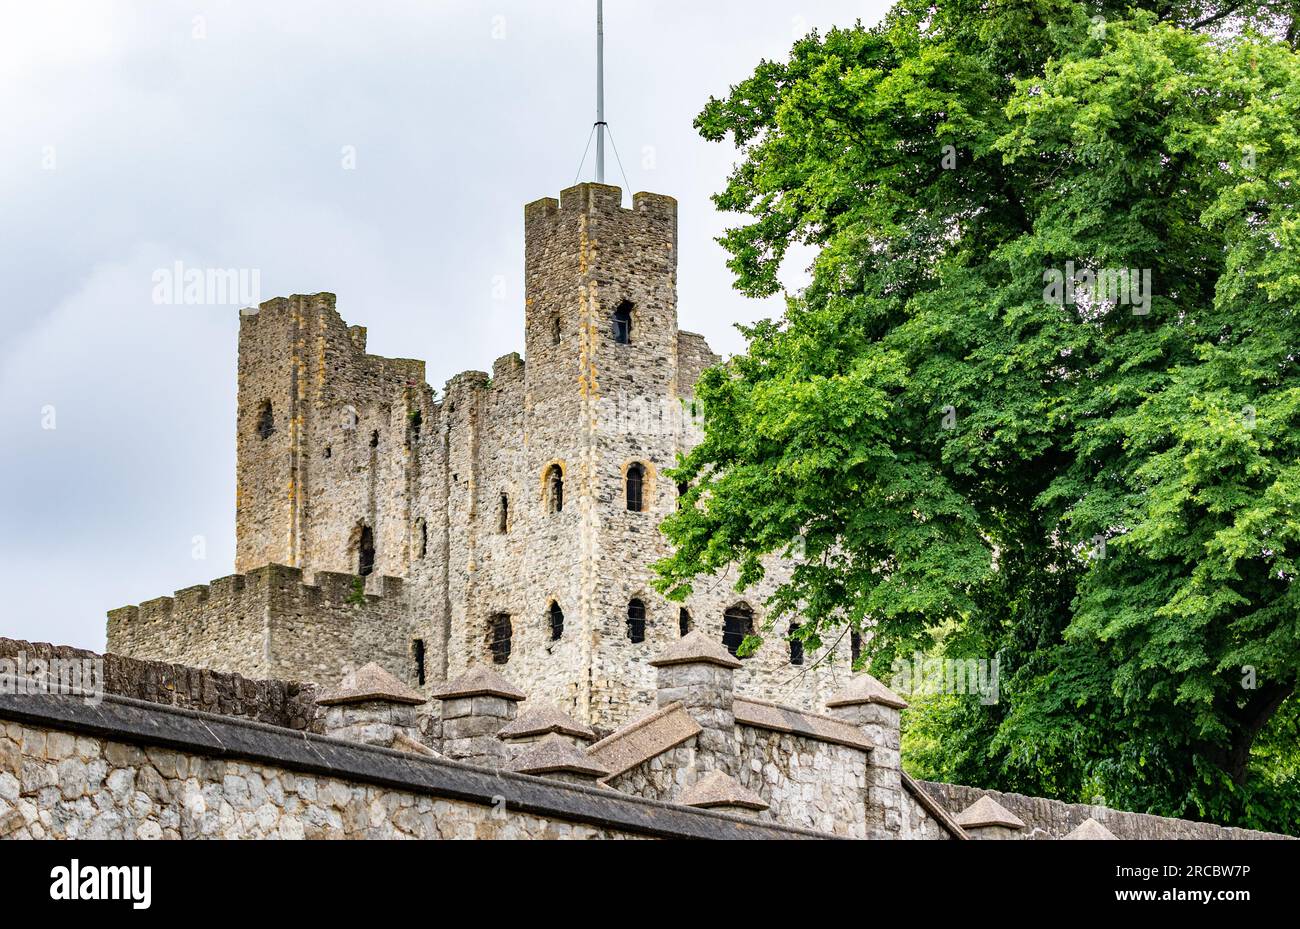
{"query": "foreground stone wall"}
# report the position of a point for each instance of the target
(662, 777)
(1053, 819)
(287, 704)
(54, 785)
(807, 783)
(918, 823)
(131, 770)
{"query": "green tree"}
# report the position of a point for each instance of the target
(1105, 492)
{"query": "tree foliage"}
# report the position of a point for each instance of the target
(1107, 498)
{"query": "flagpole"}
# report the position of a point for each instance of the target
(600, 91)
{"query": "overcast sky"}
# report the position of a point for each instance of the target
(136, 135)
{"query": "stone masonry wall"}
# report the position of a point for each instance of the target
(595, 407)
(918, 824)
(1053, 819)
(818, 785)
(662, 777)
(270, 624)
(807, 783)
(286, 704)
(120, 768)
(54, 785)
(338, 455)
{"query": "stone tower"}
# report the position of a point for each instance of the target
(511, 522)
(603, 394)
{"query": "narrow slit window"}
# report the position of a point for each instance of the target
(635, 488)
(796, 645)
(684, 621)
(556, 616)
(503, 514)
(500, 634)
(855, 645)
(636, 622)
(417, 650)
(556, 333)
(265, 421)
(623, 323)
(421, 537)
(555, 489)
(366, 552)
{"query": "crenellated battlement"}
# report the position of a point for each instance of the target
(508, 369)
(268, 620)
(591, 199)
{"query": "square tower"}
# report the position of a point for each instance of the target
(603, 406)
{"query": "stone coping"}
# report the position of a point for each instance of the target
(557, 755)
(763, 715)
(932, 806)
(696, 648)
(280, 703)
(866, 689)
(1046, 818)
(132, 721)
(479, 682)
(719, 789)
(988, 812)
(370, 684)
(639, 741)
(1087, 830)
(545, 719)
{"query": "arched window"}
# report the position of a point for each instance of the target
(635, 486)
(623, 323)
(737, 623)
(796, 645)
(499, 635)
(636, 622)
(557, 622)
(855, 645)
(421, 537)
(555, 489)
(265, 420)
(366, 552)
(503, 515)
(684, 620)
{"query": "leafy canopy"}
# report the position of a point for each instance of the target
(1105, 493)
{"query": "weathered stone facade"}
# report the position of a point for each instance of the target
(1044, 818)
(270, 624)
(349, 464)
(64, 782)
(473, 764)
(285, 704)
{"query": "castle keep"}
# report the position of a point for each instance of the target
(443, 625)
(511, 521)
